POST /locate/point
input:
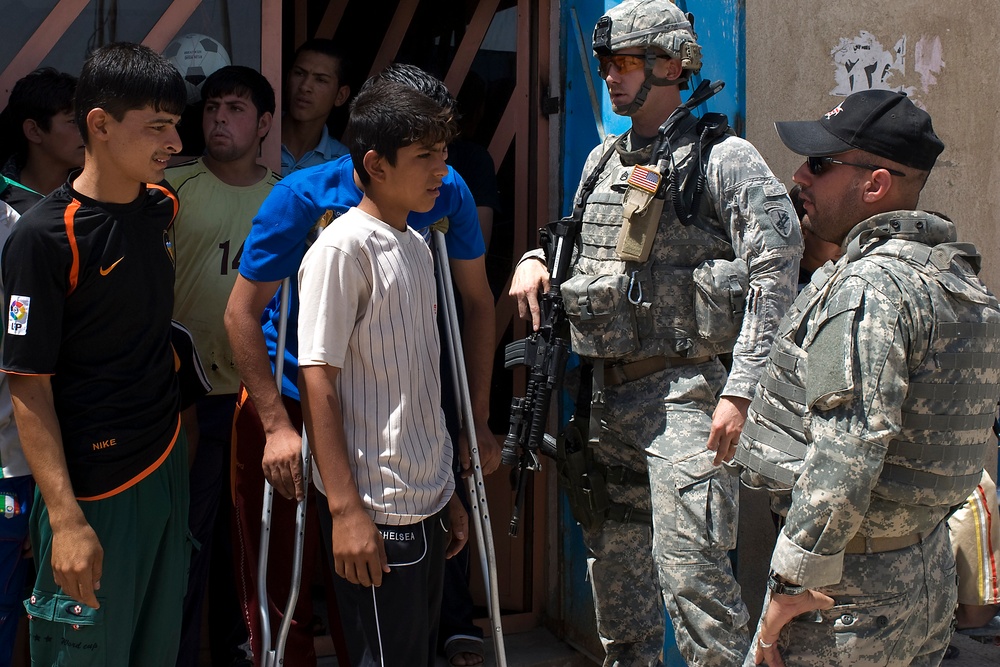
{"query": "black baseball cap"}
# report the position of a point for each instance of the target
(881, 122)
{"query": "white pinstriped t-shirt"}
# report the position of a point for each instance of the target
(368, 306)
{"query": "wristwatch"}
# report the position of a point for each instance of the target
(779, 586)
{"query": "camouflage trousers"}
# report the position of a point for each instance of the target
(661, 423)
(892, 609)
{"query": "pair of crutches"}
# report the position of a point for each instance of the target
(273, 656)
(476, 486)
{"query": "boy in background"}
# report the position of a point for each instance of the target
(315, 85)
(371, 403)
(219, 192)
(39, 137)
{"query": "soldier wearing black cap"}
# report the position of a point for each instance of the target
(872, 418)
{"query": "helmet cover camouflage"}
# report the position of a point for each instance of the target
(646, 23)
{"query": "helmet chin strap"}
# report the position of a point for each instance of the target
(640, 97)
(647, 84)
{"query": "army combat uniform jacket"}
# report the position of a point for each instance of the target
(744, 216)
(871, 422)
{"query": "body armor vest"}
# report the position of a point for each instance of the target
(631, 310)
(951, 399)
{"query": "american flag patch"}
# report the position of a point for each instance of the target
(644, 178)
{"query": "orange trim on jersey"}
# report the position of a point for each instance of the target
(145, 473)
(27, 375)
(170, 194)
(68, 218)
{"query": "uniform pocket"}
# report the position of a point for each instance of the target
(720, 294)
(862, 626)
(707, 507)
(404, 545)
(602, 321)
(61, 626)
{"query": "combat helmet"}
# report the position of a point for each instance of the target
(648, 24)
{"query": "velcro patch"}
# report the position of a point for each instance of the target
(644, 178)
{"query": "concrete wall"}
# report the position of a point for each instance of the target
(802, 58)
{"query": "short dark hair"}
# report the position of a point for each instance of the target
(38, 96)
(122, 77)
(387, 116)
(327, 47)
(241, 81)
(416, 78)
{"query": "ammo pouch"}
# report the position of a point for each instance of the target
(586, 483)
(720, 296)
(602, 321)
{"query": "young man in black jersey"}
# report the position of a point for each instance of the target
(91, 373)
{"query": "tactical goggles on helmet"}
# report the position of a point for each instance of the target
(623, 62)
(817, 165)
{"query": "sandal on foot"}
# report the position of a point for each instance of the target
(464, 651)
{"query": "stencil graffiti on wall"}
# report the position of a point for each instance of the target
(863, 63)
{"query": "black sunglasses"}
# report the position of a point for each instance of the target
(817, 165)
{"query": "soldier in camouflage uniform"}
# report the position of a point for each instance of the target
(873, 415)
(714, 282)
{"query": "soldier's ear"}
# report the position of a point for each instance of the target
(672, 68)
(878, 186)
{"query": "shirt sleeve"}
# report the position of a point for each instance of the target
(278, 236)
(855, 386)
(332, 284)
(36, 268)
(765, 232)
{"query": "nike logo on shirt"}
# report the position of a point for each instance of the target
(111, 268)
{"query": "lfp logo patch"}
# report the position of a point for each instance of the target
(17, 318)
